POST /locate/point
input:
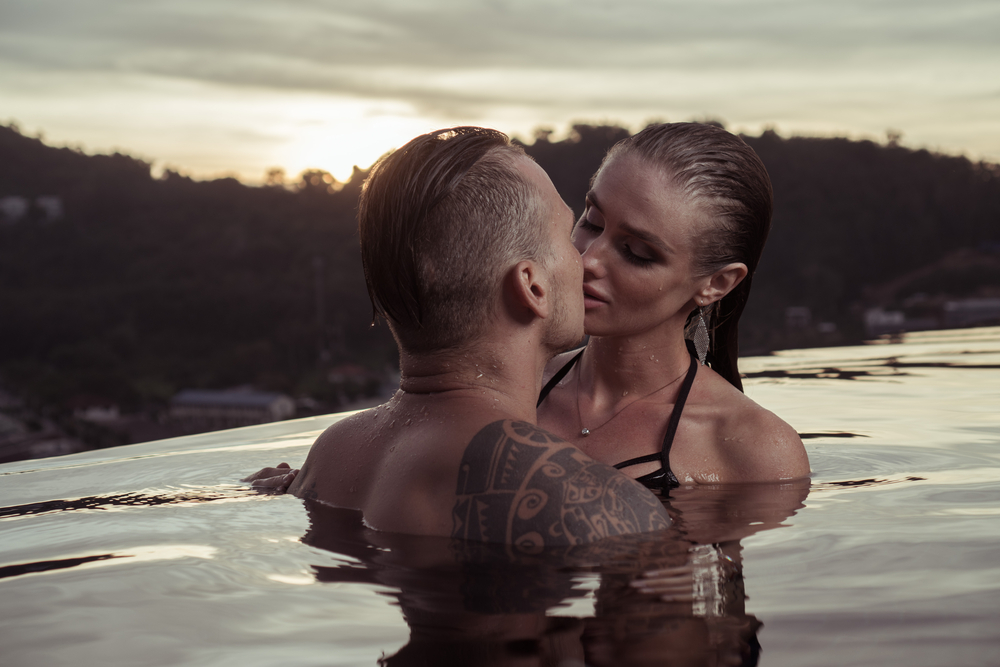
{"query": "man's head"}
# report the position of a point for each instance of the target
(442, 220)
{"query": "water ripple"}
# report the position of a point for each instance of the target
(110, 501)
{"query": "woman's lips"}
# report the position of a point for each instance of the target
(592, 298)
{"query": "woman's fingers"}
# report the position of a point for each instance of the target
(275, 484)
(272, 480)
(281, 469)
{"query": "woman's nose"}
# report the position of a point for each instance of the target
(590, 256)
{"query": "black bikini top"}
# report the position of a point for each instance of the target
(663, 478)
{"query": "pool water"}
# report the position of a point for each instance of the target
(154, 554)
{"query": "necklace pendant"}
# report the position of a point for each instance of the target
(585, 432)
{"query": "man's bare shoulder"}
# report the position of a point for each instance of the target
(521, 485)
(338, 441)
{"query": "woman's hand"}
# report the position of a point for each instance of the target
(273, 480)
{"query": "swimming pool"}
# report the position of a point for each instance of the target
(154, 554)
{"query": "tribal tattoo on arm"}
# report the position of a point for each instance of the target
(523, 486)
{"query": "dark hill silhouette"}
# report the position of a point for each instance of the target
(146, 286)
(141, 286)
(853, 213)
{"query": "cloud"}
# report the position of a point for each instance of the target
(462, 58)
(856, 65)
(248, 42)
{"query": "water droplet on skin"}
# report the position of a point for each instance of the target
(625, 393)
(479, 376)
(407, 422)
(652, 357)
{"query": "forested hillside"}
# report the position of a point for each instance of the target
(135, 287)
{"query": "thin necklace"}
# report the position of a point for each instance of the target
(584, 431)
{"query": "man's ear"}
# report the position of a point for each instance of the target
(526, 291)
(722, 282)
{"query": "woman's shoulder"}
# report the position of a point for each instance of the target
(753, 443)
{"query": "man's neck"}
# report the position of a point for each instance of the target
(486, 375)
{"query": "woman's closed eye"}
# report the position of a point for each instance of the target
(637, 253)
(633, 250)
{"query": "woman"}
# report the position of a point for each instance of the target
(672, 232)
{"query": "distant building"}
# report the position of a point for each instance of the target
(933, 314)
(95, 409)
(13, 209)
(230, 408)
(47, 208)
(18, 441)
(971, 312)
(99, 415)
(51, 207)
(879, 322)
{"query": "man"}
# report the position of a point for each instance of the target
(467, 254)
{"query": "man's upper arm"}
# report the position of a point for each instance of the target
(521, 485)
(305, 483)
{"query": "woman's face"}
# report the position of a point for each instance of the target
(637, 240)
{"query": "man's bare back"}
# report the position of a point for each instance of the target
(508, 482)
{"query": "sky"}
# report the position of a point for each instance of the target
(215, 88)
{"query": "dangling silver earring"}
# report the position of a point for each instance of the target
(701, 340)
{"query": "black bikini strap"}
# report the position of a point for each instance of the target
(675, 418)
(554, 380)
(648, 458)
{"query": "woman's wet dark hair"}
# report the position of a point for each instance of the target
(722, 174)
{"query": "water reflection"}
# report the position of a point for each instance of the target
(476, 604)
